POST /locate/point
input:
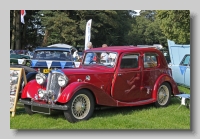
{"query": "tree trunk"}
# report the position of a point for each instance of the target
(13, 31)
(18, 30)
(23, 40)
(44, 43)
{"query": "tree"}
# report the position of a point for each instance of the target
(108, 26)
(23, 34)
(175, 25)
(13, 13)
(145, 31)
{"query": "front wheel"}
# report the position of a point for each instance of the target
(163, 95)
(81, 107)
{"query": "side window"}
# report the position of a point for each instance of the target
(129, 61)
(185, 61)
(150, 60)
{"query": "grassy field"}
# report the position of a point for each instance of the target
(134, 118)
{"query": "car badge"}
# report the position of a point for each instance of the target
(87, 78)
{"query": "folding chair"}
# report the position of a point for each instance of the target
(185, 100)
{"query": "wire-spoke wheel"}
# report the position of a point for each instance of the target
(163, 95)
(81, 107)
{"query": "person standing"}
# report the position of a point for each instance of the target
(104, 45)
(89, 56)
(104, 56)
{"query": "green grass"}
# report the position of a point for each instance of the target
(134, 118)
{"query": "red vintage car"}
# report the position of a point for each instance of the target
(126, 76)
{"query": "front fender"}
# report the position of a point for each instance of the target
(101, 97)
(30, 89)
(162, 79)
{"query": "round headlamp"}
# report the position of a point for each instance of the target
(41, 78)
(40, 93)
(62, 80)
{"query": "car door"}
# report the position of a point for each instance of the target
(127, 78)
(181, 72)
(185, 69)
(149, 75)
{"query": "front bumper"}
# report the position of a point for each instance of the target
(51, 106)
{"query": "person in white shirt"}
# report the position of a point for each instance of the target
(104, 56)
(112, 56)
(89, 56)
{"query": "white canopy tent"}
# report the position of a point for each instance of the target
(60, 45)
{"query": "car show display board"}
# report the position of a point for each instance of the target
(16, 75)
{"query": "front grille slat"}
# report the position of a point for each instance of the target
(52, 84)
(48, 79)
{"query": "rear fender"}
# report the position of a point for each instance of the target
(162, 79)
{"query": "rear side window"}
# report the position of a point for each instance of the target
(129, 61)
(150, 60)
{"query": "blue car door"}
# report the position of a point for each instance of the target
(186, 63)
(181, 72)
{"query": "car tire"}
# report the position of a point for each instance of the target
(28, 109)
(81, 107)
(25, 62)
(163, 95)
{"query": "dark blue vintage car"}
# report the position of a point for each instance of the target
(56, 56)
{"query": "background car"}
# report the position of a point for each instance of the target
(56, 56)
(180, 62)
(14, 58)
(30, 54)
(133, 76)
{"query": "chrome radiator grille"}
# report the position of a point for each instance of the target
(52, 84)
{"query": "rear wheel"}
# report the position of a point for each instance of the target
(24, 62)
(81, 107)
(163, 95)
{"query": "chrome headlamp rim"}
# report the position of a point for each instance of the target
(40, 78)
(62, 80)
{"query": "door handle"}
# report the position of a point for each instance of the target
(119, 74)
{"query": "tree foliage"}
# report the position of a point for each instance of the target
(108, 26)
(114, 27)
(145, 30)
(175, 25)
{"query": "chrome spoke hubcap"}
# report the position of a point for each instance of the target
(163, 95)
(80, 106)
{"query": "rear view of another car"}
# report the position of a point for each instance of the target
(48, 58)
(14, 58)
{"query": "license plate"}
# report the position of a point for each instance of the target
(41, 110)
(46, 70)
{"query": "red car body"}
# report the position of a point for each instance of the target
(115, 85)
